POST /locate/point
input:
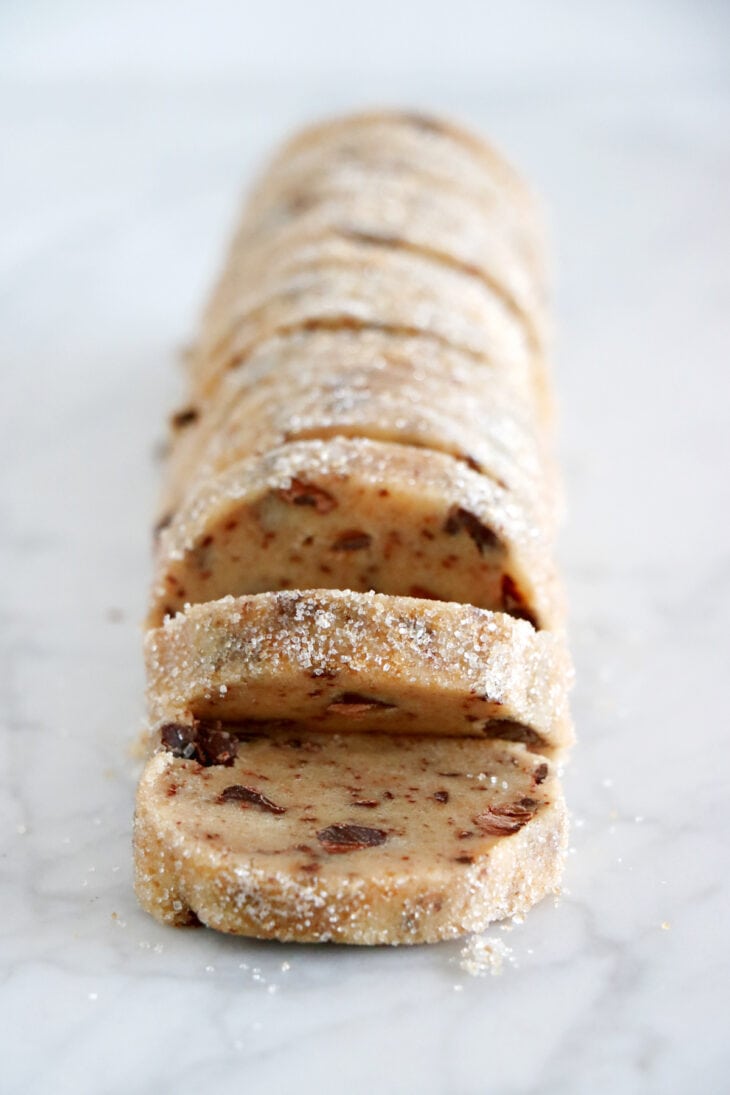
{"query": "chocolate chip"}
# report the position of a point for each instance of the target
(503, 820)
(441, 796)
(178, 738)
(462, 519)
(337, 839)
(369, 803)
(352, 540)
(299, 493)
(354, 703)
(464, 859)
(250, 796)
(540, 773)
(184, 418)
(514, 602)
(206, 745)
(509, 730)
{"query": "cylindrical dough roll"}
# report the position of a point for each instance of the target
(369, 413)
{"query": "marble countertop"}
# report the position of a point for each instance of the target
(127, 134)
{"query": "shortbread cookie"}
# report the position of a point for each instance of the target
(361, 515)
(336, 383)
(351, 283)
(339, 661)
(356, 838)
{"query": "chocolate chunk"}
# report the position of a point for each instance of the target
(514, 602)
(509, 730)
(352, 540)
(464, 859)
(503, 820)
(441, 796)
(337, 839)
(482, 536)
(540, 773)
(184, 418)
(179, 739)
(353, 703)
(251, 797)
(206, 745)
(299, 493)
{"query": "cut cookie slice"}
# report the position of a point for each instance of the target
(342, 662)
(351, 283)
(361, 515)
(440, 228)
(440, 153)
(353, 839)
(336, 383)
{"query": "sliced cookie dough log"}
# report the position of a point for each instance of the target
(352, 839)
(338, 383)
(436, 153)
(441, 228)
(362, 515)
(340, 661)
(350, 283)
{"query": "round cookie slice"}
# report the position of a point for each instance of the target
(356, 838)
(338, 383)
(361, 515)
(341, 662)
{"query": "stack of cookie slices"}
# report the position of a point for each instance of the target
(357, 671)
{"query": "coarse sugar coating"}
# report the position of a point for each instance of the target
(356, 838)
(385, 211)
(442, 157)
(352, 662)
(353, 282)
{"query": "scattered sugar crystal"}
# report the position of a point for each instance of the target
(485, 954)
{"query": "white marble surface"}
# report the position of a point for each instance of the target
(126, 132)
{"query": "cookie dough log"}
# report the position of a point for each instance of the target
(340, 661)
(372, 385)
(351, 283)
(356, 838)
(360, 515)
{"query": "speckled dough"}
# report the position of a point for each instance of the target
(362, 515)
(343, 662)
(353, 839)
